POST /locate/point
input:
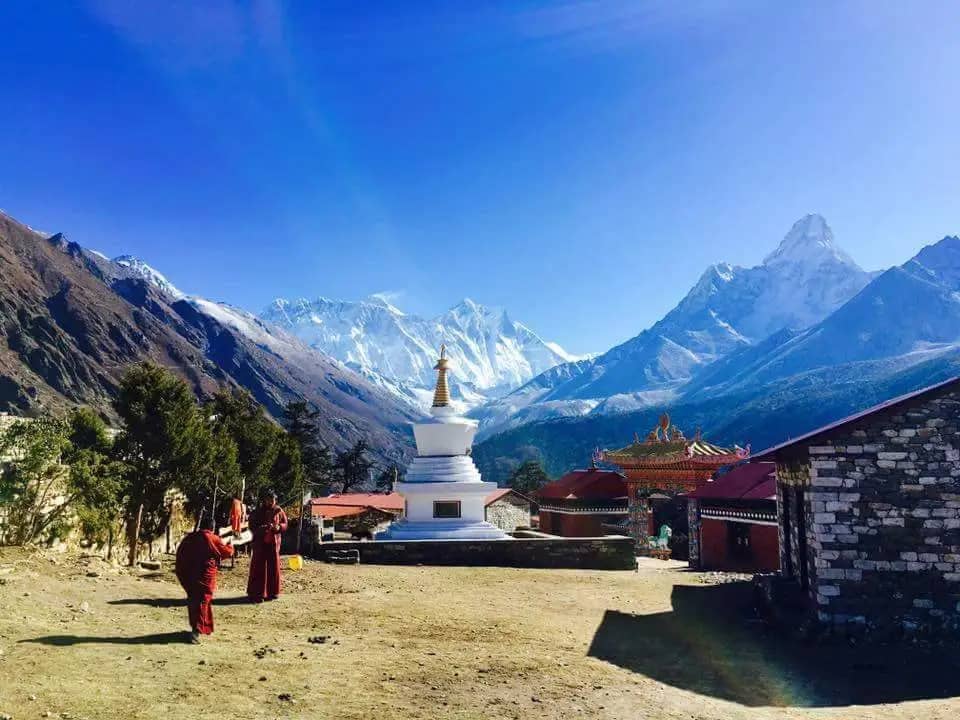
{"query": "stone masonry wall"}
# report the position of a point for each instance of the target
(508, 514)
(608, 553)
(883, 522)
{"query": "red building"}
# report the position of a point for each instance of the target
(733, 521)
(582, 502)
(666, 463)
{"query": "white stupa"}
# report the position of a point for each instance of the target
(443, 492)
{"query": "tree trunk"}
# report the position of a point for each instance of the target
(110, 543)
(135, 536)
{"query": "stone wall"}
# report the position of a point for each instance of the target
(883, 520)
(607, 553)
(508, 513)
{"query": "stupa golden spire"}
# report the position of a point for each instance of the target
(441, 396)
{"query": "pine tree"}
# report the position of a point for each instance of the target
(165, 443)
(528, 478)
(300, 421)
(388, 478)
(353, 467)
(239, 416)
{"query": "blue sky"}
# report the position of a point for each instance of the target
(579, 163)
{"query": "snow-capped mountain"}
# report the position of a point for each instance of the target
(898, 334)
(907, 315)
(730, 308)
(75, 321)
(490, 353)
(139, 268)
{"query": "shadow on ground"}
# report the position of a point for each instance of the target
(177, 602)
(170, 638)
(709, 645)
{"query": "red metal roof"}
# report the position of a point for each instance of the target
(892, 404)
(751, 481)
(390, 502)
(338, 511)
(585, 485)
(502, 492)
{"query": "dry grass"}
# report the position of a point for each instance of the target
(406, 642)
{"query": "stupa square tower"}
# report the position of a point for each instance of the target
(443, 492)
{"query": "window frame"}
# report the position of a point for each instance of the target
(448, 517)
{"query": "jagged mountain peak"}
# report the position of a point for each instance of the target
(490, 353)
(939, 262)
(144, 271)
(382, 300)
(810, 242)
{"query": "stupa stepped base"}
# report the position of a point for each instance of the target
(442, 530)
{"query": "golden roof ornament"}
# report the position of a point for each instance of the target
(441, 395)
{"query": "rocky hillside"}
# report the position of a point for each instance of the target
(73, 321)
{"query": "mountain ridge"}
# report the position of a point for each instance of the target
(73, 321)
(805, 278)
(490, 353)
(899, 333)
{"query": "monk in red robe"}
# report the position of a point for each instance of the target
(267, 523)
(196, 567)
(237, 511)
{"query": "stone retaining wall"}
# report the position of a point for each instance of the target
(607, 553)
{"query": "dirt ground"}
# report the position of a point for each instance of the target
(82, 639)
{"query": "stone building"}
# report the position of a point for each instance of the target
(507, 509)
(869, 514)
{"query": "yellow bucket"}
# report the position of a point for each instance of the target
(295, 562)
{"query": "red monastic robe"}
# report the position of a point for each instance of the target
(236, 516)
(196, 569)
(264, 582)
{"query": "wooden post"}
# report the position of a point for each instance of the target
(213, 505)
(110, 543)
(135, 537)
(299, 515)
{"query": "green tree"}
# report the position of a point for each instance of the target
(300, 421)
(528, 478)
(33, 480)
(88, 431)
(95, 474)
(287, 472)
(236, 413)
(165, 443)
(388, 477)
(353, 467)
(205, 491)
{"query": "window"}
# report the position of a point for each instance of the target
(446, 509)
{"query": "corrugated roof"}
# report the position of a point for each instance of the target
(339, 511)
(751, 481)
(585, 484)
(886, 406)
(382, 501)
(500, 493)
